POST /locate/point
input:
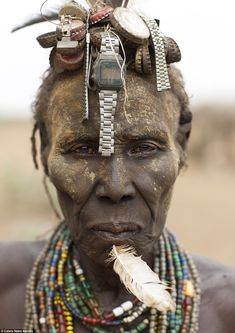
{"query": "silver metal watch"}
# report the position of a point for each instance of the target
(163, 81)
(108, 78)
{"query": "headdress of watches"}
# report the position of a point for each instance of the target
(107, 75)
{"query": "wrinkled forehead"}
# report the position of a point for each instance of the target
(141, 110)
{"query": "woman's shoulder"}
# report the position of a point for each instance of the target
(217, 295)
(16, 260)
(214, 273)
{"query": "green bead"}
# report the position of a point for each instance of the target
(179, 274)
(85, 310)
(134, 331)
(179, 322)
(97, 330)
(141, 327)
(72, 302)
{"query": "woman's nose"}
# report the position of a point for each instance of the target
(116, 185)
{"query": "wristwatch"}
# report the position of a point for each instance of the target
(130, 25)
(107, 75)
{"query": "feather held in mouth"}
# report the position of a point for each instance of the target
(140, 280)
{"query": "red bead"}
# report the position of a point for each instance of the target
(189, 308)
(61, 319)
(188, 300)
(109, 316)
(59, 309)
(62, 328)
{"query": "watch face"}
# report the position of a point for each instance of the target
(108, 73)
(130, 25)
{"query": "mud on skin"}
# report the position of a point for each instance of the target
(122, 199)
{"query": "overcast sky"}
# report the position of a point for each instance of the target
(204, 30)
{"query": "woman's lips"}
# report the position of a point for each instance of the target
(113, 237)
(115, 231)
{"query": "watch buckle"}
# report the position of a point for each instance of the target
(66, 45)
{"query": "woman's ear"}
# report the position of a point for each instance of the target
(183, 134)
(45, 146)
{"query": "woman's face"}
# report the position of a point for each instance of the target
(122, 199)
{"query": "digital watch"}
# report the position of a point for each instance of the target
(107, 75)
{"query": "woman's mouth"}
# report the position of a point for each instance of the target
(116, 231)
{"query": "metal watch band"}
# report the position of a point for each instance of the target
(109, 43)
(108, 103)
(163, 82)
(86, 78)
(108, 100)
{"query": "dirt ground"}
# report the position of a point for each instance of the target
(202, 213)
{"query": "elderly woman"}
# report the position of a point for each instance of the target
(113, 141)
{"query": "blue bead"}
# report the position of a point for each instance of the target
(114, 323)
(172, 316)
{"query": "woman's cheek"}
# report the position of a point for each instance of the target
(156, 177)
(73, 179)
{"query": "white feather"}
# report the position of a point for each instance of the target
(140, 280)
(50, 9)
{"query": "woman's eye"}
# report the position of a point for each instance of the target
(144, 148)
(82, 149)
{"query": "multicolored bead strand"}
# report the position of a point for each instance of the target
(58, 293)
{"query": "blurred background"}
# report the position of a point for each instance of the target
(202, 213)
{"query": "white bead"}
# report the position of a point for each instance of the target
(118, 311)
(153, 311)
(42, 320)
(152, 324)
(127, 306)
(135, 315)
(79, 271)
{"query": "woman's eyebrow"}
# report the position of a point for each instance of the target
(124, 134)
(141, 134)
(75, 136)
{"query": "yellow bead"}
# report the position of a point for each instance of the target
(189, 289)
(66, 313)
(69, 328)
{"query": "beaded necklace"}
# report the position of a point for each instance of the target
(58, 293)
